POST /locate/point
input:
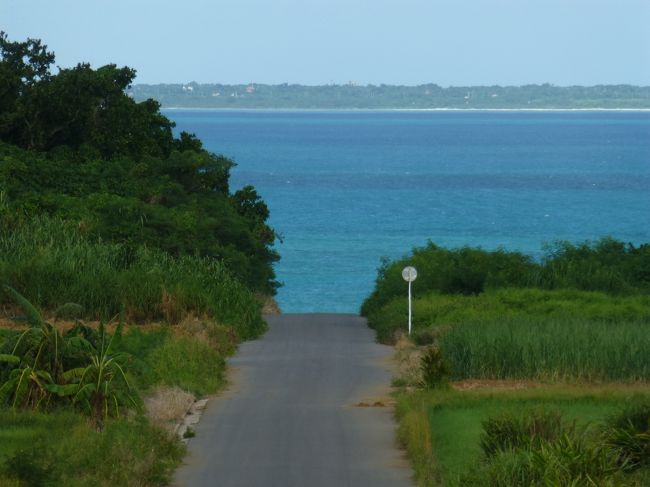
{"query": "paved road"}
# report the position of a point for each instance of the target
(291, 418)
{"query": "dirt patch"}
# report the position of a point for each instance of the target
(375, 404)
(502, 385)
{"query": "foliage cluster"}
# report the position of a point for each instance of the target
(75, 145)
(607, 265)
(163, 356)
(390, 96)
(582, 313)
(102, 374)
(42, 366)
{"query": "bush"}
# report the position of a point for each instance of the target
(435, 370)
(511, 432)
(627, 436)
(530, 333)
(457, 271)
(61, 448)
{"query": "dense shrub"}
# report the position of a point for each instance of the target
(607, 265)
(627, 436)
(508, 432)
(458, 271)
(61, 448)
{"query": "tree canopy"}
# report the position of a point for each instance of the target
(73, 144)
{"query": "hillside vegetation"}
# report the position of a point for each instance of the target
(128, 272)
(75, 146)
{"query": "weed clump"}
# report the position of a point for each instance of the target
(435, 371)
(538, 448)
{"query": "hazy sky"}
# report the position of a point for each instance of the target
(449, 42)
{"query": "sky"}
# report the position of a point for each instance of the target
(410, 42)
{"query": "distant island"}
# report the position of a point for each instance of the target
(428, 96)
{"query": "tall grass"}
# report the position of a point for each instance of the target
(531, 334)
(549, 349)
(51, 263)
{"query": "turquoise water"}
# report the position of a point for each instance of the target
(346, 188)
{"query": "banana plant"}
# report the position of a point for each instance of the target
(103, 389)
(99, 385)
(37, 358)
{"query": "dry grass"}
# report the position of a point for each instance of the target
(170, 308)
(409, 358)
(167, 406)
(221, 338)
(493, 385)
(269, 305)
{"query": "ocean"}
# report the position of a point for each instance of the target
(346, 188)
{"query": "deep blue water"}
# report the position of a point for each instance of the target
(346, 188)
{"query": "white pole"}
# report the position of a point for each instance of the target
(409, 274)
(409, 308)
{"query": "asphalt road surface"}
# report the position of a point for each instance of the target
(295, 414)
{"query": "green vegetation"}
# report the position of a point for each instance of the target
(494, 334)
(106, 217)
(531, 333)
(75, 146)
(536, 437)
(61, 448)
(512, 284)
(103, 375)
(195, 95)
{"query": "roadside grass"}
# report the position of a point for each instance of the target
(442, 429)
(202, 311)
(62, 448)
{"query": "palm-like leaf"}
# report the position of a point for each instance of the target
(9, 358)
(103, 387)
(34, 318)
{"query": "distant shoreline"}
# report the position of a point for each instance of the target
(266, 109)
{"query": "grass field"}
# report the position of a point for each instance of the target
(442, 430)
